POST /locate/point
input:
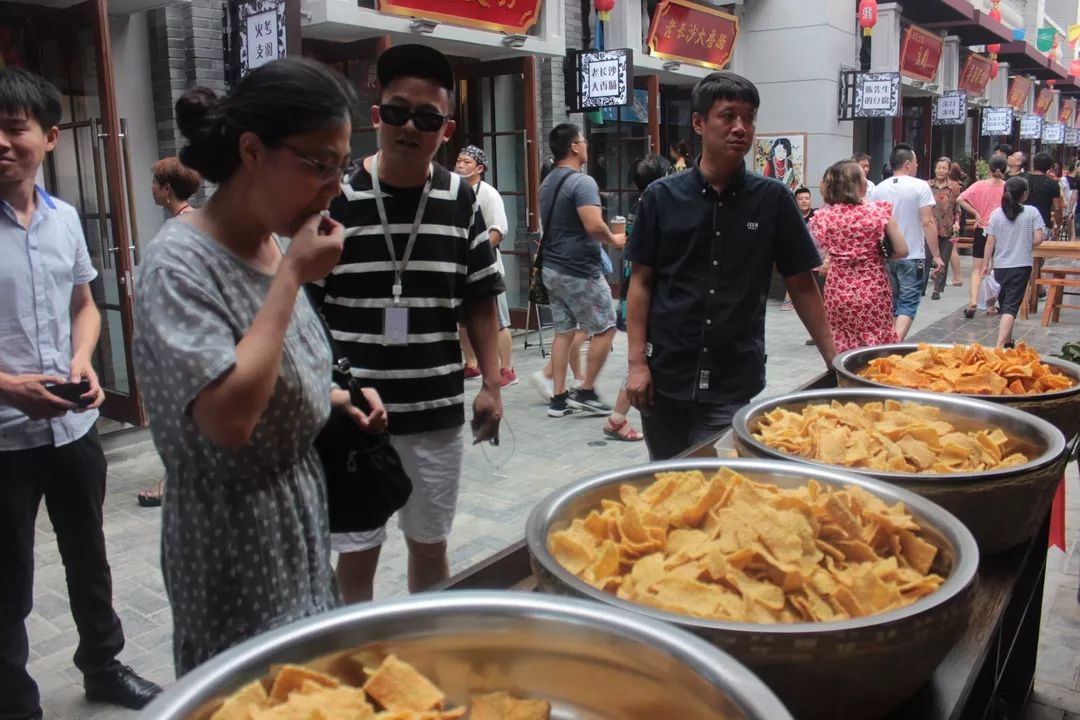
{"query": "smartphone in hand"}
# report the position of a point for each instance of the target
(72, 392)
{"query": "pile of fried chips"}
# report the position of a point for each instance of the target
(891, 436)
(968, 370)
(393, 691)
(729, 548)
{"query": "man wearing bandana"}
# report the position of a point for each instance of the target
(472, 166)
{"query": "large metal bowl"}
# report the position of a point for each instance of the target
(1001, 508)
(590, 662)
(1060, 408)
(848, 669)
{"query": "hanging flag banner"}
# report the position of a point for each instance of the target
(1074, 33)
(877, 95)
(920, 53)
(1044, 39)
(687, 32)
(975, 74)
(1030, 127)
(1019, 89)
(1043, 101)
(997, 121)
(1018, 34)
(1066, 111)
(1053, 133)
(950, 108)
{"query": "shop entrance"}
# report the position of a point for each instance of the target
(916, 130)
(70, 47)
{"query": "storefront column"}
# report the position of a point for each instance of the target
(532, 146)
(885, 43)
(652, 83)
(998, 88)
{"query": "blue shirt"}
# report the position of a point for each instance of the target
(39, 269)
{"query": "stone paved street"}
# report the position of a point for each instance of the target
(500, 487)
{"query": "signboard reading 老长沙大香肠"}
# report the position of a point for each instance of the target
(599, 78)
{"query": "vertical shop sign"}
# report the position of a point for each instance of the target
(1066, 112)
(920, 53)
(599, 78)
(975, 74)
(1053, 133)
(1043, 101)
(262, 33)
(1031, 127)
(997, 121)
(1019, 89)
(877, 95)
(950, 108)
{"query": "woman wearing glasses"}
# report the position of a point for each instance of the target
(233, 362)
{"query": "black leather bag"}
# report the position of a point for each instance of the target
(538, 294)
(365, 480)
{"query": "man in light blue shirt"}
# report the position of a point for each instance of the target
(49, 326)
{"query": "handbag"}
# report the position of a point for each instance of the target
(538, 294)
(366, 482)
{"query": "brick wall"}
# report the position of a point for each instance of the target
(552, 87)
(186, 51)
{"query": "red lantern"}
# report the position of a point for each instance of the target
(993, 69)
(867, 16)
(604, 8)
(1051, 83)
(993, 48)
(994, 12)
(1074, 68)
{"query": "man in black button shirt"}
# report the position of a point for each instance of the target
(703, 248)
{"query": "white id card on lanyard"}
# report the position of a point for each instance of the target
(396, 316)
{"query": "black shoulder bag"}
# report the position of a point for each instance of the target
(538, 294)
(365, 480)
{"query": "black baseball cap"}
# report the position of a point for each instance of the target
(414, 60)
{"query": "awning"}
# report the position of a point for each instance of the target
(959, 18)
(937, 11)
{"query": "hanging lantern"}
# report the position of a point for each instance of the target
(867, 16)
(1051, 83)
(993, 69)
(604, 8)
(994, 12)
(993, 48)
(1074, 68)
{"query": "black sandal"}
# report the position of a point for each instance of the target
(969, 311)
(152, 498)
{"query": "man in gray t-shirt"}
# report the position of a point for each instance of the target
(580, 296)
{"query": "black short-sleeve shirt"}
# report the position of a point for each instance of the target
(713, 256)
(1042, 190)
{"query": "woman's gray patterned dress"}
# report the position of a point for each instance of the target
(245, 541)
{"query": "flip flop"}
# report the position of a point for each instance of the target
(622, 431)
(152, 498)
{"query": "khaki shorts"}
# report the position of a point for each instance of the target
(432, 460)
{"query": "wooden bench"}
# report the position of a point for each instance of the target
(1055, 290)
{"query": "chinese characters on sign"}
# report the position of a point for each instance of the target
(1019, 89)
(997, 121)
(877, 95)
(1066, 112)
(950, 108)
(692, 33)
(599, 78)
(513, 17)
(1043, 101)
(1053, 133)
(262, 33)
(920, 54)
(975, 74)
(1072, 136)
(1031, 127)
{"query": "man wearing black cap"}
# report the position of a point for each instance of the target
(416, 255)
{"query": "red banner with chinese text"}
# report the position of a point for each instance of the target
(975, 74)
(1019, 89)
(514, 17)
(1043, 101)
(691, 33)
(1066, 111)
(920, 54)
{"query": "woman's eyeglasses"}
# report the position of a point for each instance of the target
(423, 120)
(322, 170)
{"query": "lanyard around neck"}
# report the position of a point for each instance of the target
(399, 268)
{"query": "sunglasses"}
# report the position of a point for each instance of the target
(322, 170)
(423, 120)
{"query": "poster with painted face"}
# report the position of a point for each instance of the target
(781, 156)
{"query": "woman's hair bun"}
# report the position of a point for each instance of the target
(200, 118)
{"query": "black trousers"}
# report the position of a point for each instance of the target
(672, 426)
(71, 478)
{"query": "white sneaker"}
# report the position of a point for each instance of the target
(545, 386)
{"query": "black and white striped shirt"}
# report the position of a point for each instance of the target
(452, 263)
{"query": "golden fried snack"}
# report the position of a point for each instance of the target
(968, 370)
(729, 548)
(891, 436)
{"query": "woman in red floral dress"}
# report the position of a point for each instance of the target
(858, 301)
